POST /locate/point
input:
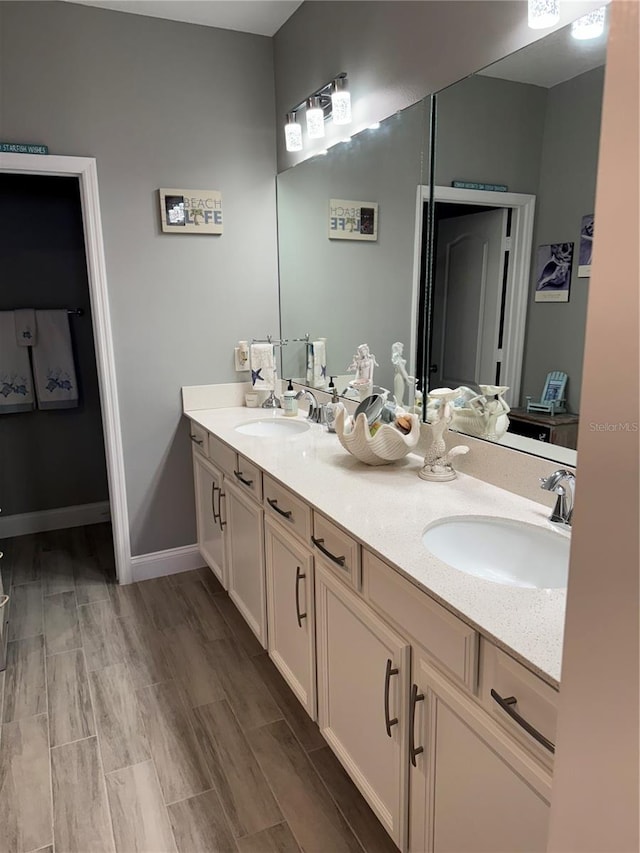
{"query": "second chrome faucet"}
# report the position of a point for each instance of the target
(563, 484)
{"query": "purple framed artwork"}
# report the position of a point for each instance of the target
(586, 246)
(553, 272)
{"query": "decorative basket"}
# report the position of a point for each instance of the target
(387, 445)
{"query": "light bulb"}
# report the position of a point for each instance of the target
(293, 133)
(340, 101)
(543, 13)
(315, 119)
(589, 26)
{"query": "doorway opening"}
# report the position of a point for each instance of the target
(79, 445)
(474, 284)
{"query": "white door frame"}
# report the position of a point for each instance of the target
(84, 168)
(518, 276)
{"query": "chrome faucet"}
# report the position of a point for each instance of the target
(315, 409)
(563, 484)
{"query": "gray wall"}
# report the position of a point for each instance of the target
(490, 130)
(395, 53)
(49, 459)
(349, 291)
(568, 168)
(158, 104)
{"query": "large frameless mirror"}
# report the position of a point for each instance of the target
(510, 230)
(346, 243)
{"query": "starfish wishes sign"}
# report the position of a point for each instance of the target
(191, 211)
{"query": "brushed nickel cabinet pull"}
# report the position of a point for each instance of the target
(196, 440)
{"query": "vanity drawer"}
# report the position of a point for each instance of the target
(199, 438)
(248, 477)
(293, 512)
(222, 455)
(536, 705)
(450, 642)
(340, 551)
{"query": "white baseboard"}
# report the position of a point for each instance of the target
(170, 562)
(53, 519)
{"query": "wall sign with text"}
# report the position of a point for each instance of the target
(353, 220)
(191, 211)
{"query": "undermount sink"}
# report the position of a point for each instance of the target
(273, 427)
(507, 552)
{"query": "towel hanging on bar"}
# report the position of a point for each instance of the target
(53, 366)
(26, 329)
(16, 384)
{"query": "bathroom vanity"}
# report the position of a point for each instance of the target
(411, 668)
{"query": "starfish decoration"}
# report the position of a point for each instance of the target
(323, 371)
(255, 375)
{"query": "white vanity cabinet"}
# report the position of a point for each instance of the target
(448, 738)
(245, 557)
(210, 515)
(363, 685)
(471, 786)
(291, 612)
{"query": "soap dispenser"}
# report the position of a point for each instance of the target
(290, 403)
(332, 408)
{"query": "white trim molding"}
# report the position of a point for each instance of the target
(53, 519)
(170, 562)
(84, 168)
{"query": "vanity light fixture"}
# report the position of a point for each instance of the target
(340, 101)
(589, 26)
(293, 133)
(315, 118)
(543, 13)
(330, 101)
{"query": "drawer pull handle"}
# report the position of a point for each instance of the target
(388, 722)
(319, 543)
(195, 439)
(507, 706)
(414, 750)
(213, 501)
(274, 505)
(3, 600)
(242, 479)
(299, 616)
(222, 523)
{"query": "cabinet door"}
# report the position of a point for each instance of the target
(210, 511)
(472, 787)
(245, 559)
(363, 679)
(290, 613)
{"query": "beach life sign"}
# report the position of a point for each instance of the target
(353, 220)
(191, 211)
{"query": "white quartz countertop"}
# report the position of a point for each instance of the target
(387, 509)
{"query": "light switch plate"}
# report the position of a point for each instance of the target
(241, 364)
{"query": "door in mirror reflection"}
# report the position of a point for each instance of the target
(470, 258)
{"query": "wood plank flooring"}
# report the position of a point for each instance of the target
(148, 719)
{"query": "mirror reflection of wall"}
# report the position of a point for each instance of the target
(352, 291)
(530, 123)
